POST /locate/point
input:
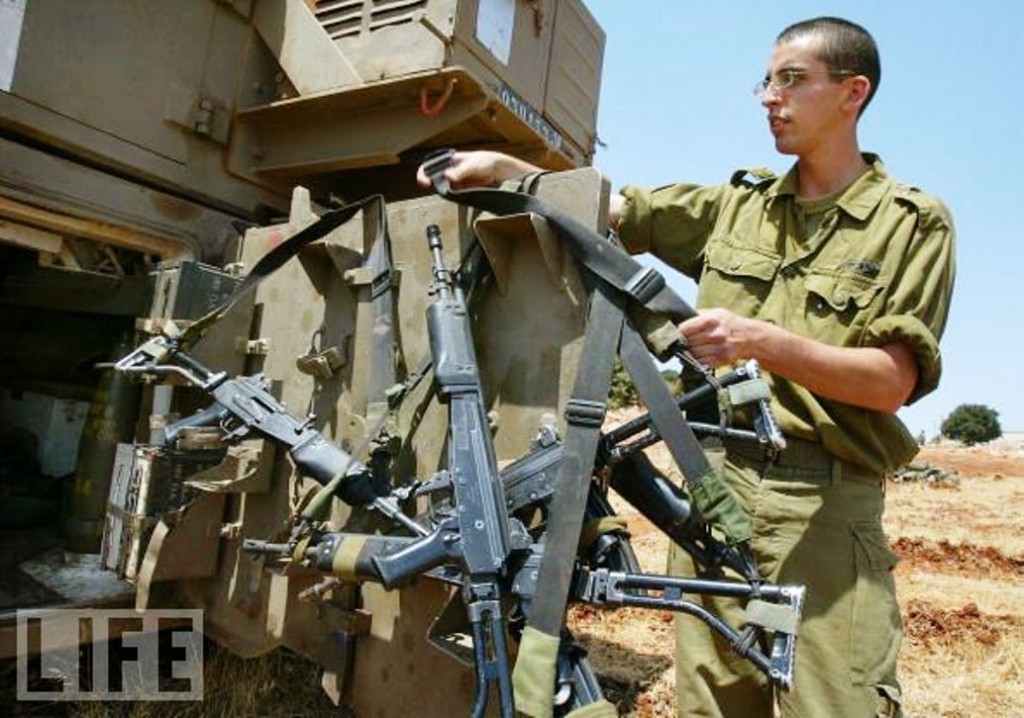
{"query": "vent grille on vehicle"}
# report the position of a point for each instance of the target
(344, 18)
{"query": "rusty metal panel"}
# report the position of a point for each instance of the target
(72, 200)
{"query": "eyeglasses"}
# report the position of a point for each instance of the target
(785, 79)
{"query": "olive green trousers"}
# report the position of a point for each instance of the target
(812, 527)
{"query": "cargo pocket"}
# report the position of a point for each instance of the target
(876, 626)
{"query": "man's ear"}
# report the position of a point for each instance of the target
(858, 90)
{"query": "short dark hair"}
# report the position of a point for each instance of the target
(845, 45)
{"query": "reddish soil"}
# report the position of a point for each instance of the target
(973, 461)
(929, 625)
(964, 560)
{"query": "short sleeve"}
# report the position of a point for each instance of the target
(918, 306)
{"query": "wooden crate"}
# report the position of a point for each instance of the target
(148, 481)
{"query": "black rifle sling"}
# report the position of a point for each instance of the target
(586, 409)
(647, 288)
(279, 255)
(710, 494)
(643, 284)
(584, 415)
(665, 415)
(382, 298)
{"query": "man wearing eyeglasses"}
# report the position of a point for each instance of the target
(837, 279)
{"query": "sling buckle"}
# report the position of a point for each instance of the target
(583, 412)
(645, 284)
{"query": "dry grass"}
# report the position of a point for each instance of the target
(960, 586)
(278, 685)
(964, 606)
(962, 662)
(984, 511)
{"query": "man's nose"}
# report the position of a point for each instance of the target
(770, 96)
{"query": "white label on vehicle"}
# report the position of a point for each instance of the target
(494, 22)
(12, 15)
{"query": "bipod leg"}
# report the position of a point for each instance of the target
(772, 607)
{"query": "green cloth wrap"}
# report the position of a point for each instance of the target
(533, 679)
(749, 391)
(773, 616)
(718, 507)
(659, 334)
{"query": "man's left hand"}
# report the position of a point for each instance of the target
(717, 336)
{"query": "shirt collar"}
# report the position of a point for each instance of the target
(858, 200)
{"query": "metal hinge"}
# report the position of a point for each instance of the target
(201, 115)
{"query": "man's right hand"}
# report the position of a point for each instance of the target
(486, 168)
(480, 168)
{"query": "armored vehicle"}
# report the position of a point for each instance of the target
(251, 368)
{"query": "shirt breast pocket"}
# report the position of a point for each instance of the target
(843, 302)
(737, 277)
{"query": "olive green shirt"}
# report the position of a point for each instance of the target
(875, 268)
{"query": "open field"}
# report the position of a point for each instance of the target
(960, 582)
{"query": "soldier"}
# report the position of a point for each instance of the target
(837, 279)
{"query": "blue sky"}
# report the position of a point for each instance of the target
(676, 104)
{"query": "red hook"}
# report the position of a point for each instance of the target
(432, 110)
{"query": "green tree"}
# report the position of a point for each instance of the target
(674, 381)
(621, 392)
(972, 424)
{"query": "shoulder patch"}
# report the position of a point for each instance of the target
(751, 176)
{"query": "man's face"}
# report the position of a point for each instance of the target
(806, 114)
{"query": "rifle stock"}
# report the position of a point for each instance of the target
(483, 523)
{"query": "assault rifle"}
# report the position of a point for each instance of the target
(475, 534)
(250, 407)
(474, 537)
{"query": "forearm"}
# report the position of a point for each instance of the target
(507, 167)
(615, 204)
(480, 168)
(504, 167)
(878, 378)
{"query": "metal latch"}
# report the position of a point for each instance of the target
(322, 365)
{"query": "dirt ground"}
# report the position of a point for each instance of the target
(960, 583)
